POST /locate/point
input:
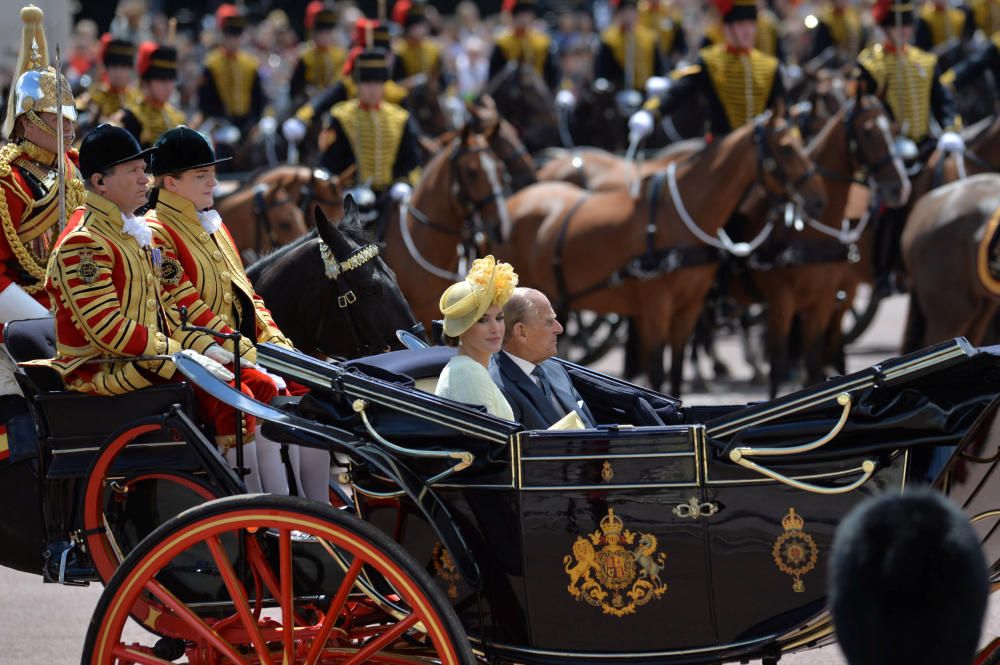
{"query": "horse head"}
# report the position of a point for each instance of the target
(360, 304)
(279, 218)
(322, 191)
(479, 187)
(784, 168)
(872, 149)
(504, 142)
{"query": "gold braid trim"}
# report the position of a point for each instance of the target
(28, 261)
(8, 153)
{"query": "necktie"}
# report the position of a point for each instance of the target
(544, 384)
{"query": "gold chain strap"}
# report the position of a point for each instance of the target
(28, 261)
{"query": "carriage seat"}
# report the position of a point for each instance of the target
(424, 366)
(73, 425)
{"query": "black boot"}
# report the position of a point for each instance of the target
(64, 562)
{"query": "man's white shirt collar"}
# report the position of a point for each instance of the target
(526, 365)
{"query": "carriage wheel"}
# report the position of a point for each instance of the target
(861, 313)
(274, 579)
(588, 337)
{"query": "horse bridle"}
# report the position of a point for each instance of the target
(308, 192)
(261, 208)
(771, 166)
(853, 148)
(335, 271)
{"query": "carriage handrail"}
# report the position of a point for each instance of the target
(464, 457)
(867, 469)
(843, 399)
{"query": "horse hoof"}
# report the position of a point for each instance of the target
(721, 370)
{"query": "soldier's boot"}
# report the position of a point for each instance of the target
(64, 560)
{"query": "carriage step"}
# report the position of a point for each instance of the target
(65, 564)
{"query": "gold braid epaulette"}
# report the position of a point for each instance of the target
(25, 258)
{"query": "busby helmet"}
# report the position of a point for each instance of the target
(888, 13)
(736, 10)
(34, 89)
(371, 66)
(409, 12)
(156, 63)
(230, 20)
(908, 582)
(371, 33)
(106, 146)
(517, 6)
(182, 149)
(623, 4)
(318, 17)
(116, 52)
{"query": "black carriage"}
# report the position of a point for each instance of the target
(676, 534)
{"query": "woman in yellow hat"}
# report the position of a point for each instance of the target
(473, 320)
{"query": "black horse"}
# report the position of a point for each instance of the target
(331, 293)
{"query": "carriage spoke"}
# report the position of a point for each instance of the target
(238, 594)
(385, 639)
(182, 612)
(285, 573)
(131, 655)
(330, 618)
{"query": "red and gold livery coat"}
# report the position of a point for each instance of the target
(111, 301)
(29, 213)
(212, 263)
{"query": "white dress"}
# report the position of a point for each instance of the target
(465, 380)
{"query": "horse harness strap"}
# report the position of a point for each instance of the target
(260, 209)
(801, 252)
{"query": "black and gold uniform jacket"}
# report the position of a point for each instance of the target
(381, 143)
(668, 25)
(341, 91)
(530, 47)
(147, 120)
(986, 15)
(971, 68)
(212, 264)
(231, 88)
(412, 58)
(909, 83)
(318, 68)
(102, 101)
(29, 213)
(841, 29)
(736, 87)
(628, 58)
(937, 25)
(111, 302)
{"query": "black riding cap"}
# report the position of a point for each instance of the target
(182, 149)
(108, 146)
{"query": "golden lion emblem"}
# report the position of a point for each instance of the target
(614, 578)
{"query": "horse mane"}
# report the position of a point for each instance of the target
(268, 260)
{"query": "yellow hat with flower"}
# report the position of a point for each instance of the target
(488, 283)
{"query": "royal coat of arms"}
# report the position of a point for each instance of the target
(615, 578)
(795, 552)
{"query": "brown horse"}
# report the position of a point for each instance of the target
(801, 273)
(950, 295)
(456, 212)
(601, 171)
(270, 209)
(504, 142)
(646, 257)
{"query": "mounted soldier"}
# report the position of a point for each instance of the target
(374, 135)
(737, 81)
(841, 30)
(667, 21)
(32, 201)
(767, 37)
(908, 81)
(416, 55)
(154, 114)
(524, 44)
(321, 61)
(116, 88)
(629, 53)
(939, 22)
(231, 89)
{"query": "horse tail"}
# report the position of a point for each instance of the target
(916, 326)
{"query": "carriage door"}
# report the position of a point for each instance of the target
(614, 549)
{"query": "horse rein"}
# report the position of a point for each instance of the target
(770, 166)
(854, 150)
(261, 206)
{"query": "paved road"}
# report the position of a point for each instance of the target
(45, 624)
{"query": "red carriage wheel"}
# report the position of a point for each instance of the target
(274, 579)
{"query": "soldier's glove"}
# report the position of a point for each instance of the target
(565, 99)
(640, 125)
(400, 192)
(951, 142)
(293, 129)
(656, 86)
(213, 367)
(278, 381)
(220, 355)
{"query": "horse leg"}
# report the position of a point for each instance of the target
(814, 324)
(915, 331)
(682, 324)
(780, 312)
(633, 353)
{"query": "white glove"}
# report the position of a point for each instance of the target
(565, 99)
(16, 304)
(293, 129)
(640, 125)
(228, 135)
(213, 367)
(278, 381)
(400, 191)
(267, 124)
(224, 357)
(656, 86)
(951, 142)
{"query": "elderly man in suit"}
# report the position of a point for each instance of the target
(538, 388)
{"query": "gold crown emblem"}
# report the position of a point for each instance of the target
(792, 521)
(611, 525)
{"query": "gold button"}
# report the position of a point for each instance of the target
(225, 317)
(228, 297)
(225, 274)
(217, 255)
(203, 237)
(149, 278)
(151, 304)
